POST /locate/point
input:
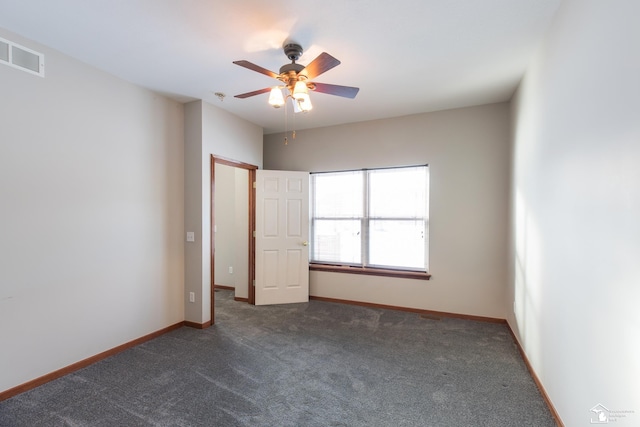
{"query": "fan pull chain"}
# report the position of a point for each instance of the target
(286, 113)
(293, 134)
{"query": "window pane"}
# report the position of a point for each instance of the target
(397, 244)
(390, 205)
(398, 193)
(338, 195)
(337, 241)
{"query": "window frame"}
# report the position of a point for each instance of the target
(365, 220)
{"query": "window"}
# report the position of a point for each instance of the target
(372, 219)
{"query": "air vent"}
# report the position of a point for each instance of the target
(21, 57)
(4, 51)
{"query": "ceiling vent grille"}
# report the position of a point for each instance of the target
(22, 58)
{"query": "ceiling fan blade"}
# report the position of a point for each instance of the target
(254, 93)
(344, 91)
(324, 62)
(254, 67)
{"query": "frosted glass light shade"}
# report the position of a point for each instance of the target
(302, 104)
(300, 90)
(305, 103)
(275, 98)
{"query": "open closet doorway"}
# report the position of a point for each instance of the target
(232, 225)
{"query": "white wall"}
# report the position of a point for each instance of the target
(574, 262)
(91, 216)
(468, 153)
(224, 135)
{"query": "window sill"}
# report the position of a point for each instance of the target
(370, 271)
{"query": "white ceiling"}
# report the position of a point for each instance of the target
(406, 56)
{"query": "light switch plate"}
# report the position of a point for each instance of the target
(191, 236)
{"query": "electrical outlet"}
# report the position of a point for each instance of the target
(230, 270)
(191, 236)
(192, 297)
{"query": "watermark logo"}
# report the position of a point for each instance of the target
(600, 414)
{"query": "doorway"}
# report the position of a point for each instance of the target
(232, 226)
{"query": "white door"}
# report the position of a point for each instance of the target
(282, 237)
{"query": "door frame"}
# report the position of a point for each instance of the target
(251, 225)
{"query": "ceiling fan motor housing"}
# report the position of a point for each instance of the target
(293, 51)
(285, 69)
(289, 73)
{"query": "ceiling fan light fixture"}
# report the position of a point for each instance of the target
(301, 105)
(300, 90)
(296, 106)
(305, 103)
(276, 100)
(301, 100)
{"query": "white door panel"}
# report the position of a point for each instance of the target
(282, 235)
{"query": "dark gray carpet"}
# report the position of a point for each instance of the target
(313, 364)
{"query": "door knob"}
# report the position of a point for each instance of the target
(305, 243)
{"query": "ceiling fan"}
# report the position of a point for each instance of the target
(296, 79)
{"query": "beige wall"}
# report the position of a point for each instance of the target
(468, 153)
(91, 230)
(222, 134)
(232, 225)
(225, 221)
(574, 271)
(194, 262)
(241, 234)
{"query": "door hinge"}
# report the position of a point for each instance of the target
(254, 184)
(254, 234)
(254, 283)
